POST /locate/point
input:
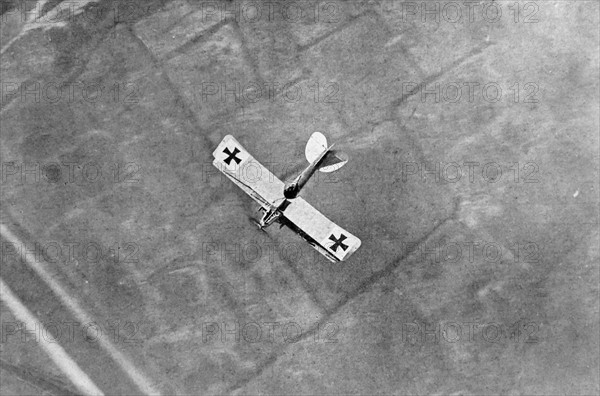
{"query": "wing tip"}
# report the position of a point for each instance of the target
(355, 248)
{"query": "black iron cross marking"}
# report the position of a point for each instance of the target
(231, 156)
(338, 242)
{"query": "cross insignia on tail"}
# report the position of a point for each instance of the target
(338, 242)
(231, 156)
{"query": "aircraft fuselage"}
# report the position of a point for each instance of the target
(292, 189)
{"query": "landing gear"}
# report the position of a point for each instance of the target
(272, 214)
(270, 217)
(257, 224)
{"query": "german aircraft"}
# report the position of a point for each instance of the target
(280, 202)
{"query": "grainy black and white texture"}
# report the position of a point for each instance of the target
(473, 135)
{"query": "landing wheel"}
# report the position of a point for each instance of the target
(257, 224)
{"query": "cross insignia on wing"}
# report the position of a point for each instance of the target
(231, 156)
(338, 242)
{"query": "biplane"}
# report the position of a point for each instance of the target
(280, 202)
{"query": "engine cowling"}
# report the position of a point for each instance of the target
(290, 191)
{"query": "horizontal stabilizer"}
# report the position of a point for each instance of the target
(333, 161)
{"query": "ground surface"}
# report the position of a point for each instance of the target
(478, 209)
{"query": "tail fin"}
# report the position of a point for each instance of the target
(334, 160)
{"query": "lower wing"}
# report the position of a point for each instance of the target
(324, 235)
(251, 176)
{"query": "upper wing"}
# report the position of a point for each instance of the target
(245, 171)
(323, 234)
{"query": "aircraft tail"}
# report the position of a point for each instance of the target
(334, 159)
